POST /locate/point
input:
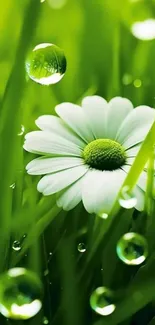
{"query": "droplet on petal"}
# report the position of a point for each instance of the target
(46, 64)
(20, 294)
(81, 247)
(102, 301)
(16, 246)
(132, 249)
(126, 199)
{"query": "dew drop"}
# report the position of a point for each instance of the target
(103, 215)
(81, 247)
(126, 199)
(127, 79)
(21, 293)
(57, 4)
(102, 301)
(45, 321)
(13, 185)
(137, 83)
(46, 272)
(16, 246)
(46, 64)
(22, 130)
(132, 248)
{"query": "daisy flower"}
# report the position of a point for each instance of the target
(86, 151)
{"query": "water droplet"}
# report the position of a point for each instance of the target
(126, 199)
(13, 185)
(137, 83)
(132, 248)
(16, 245)
(42, 1)
(50, 253)
(127, 79)
(102, 301)
(22, 130)
(103, 215)
(46, 272)
(144, 30)
(21, 293)
(45, 321)
(81, 247)
(57, 4)
(46, 64)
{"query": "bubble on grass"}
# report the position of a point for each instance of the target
(45, 321)
(81, 247)
(16, 246)
(144, 30)
(22, 130)
(57, 4)
(127, 79)
(137, 83)
(126, 199)
(102, 301)
(46, 64)
(20, 294)
(132, 249)
(13, 185)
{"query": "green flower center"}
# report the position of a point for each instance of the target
(104, 154)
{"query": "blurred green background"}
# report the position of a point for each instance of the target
(104, 58)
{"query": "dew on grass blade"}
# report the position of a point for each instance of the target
(20, 294)
(16, 246)
(132, 249)
(102, 301)
(137, 83)
(45, 321)
(81, 247)
(103, 215)
(57, 4)
(127, 79)
(13, 185)
(22, 130)
(126, 199)
(46, 64)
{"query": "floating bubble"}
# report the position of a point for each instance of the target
(57, 4)
(102, 301)
(22, 130)
(13, 185)
(132, 249)
(126, 199)
(16, 246)
(46, 64)
(20, 294)
(144, 30)
(81, 247)
(137, 83)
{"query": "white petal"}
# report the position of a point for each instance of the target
(74, 116)
(118, 109)
(140, 195)
(55, 125)
(95, 108)
(46, 165)
(132, 152)
(42, 142)
(71, 196)
(54, 183)
(100, 189)
(136, 126)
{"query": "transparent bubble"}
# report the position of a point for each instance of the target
(126, 199)
(46, 64)
(22, 130)
(20, 294)
(57, 4)
(137, 83)
(13, 185)
(102, 301)
(132, 249)
(16, 246)
(45, 321)
(127, 79)
(81, 247)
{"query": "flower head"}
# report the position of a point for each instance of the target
(87, 151)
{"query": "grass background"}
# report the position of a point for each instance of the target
(102, 58)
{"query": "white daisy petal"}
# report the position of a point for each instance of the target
(100, 189)
(95, 108)
(75, 118)
(42, 142)
(55, 125)
(140, 195)
(45, 165)
(54, 183)
(136, 126)
(118, 109)
(71, 196)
